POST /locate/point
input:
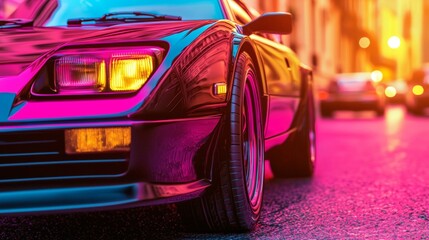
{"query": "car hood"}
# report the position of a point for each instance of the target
(21, 47)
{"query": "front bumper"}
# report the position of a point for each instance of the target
(97, 197)
(167, 163)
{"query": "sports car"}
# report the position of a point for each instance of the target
(120, 104)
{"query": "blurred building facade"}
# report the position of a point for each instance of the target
(328, 33)
(352, 35)
(7, 6)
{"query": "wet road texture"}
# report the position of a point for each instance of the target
(371, 182)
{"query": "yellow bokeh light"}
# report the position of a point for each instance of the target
(364, 42)
(418, 90)
(390, 92)
(394, 42)
(129, 74)
(377, 76)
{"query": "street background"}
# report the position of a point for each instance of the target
(341, 36)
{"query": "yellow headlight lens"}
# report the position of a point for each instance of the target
(129, 73)
(93, 140)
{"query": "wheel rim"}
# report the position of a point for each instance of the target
(251, 147)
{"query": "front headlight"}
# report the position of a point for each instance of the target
(75, 72)
(130, 72)
(80, 73)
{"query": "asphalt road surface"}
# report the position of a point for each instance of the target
(371, 182)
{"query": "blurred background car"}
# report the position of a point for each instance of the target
(417, 97)
(351, 92)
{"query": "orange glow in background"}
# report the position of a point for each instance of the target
(345, 36)
(332, 36)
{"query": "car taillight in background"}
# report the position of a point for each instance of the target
(323, 95)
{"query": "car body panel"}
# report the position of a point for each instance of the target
(283, 84)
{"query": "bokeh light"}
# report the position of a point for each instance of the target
(394, 42)
(390, 92)
(377, 76)
(364, 42)
(418, 90)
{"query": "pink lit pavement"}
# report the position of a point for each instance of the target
(371, 182)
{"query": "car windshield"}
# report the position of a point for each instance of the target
(57, 12)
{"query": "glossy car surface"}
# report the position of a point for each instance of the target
(417, 97)
(119, 104)
(351, 92)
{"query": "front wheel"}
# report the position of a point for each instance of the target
(234, 201)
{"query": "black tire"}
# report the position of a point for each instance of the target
(234, 201)
(297, 155)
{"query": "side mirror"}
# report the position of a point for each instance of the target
(273, 22)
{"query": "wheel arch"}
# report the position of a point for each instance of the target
(245, 44)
